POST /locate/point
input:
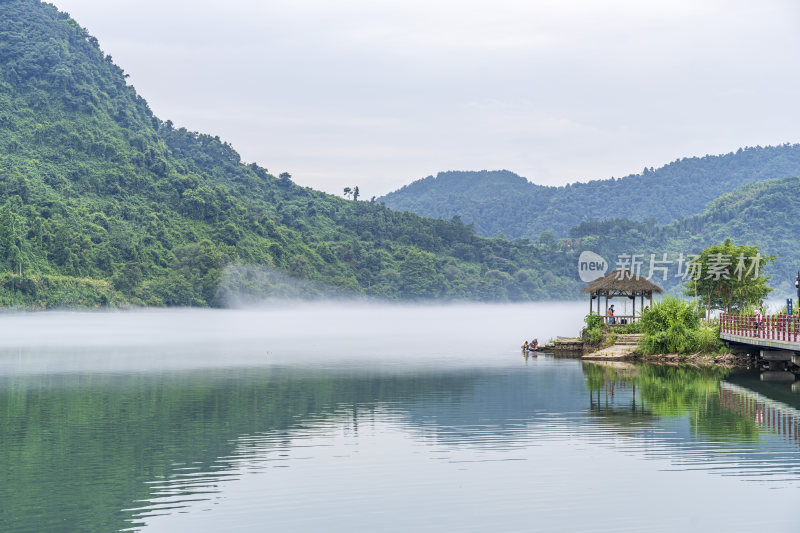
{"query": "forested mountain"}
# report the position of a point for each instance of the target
(762, 214)
(500, 202)
(101, 202)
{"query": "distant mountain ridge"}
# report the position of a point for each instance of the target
(501, 202)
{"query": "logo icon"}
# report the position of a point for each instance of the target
(591, 266)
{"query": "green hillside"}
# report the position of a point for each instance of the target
(500, 202)
(101, 203)
(761, 214)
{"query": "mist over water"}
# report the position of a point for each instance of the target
(286, 333)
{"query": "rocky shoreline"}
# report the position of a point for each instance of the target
(626, 349)
(728, 360)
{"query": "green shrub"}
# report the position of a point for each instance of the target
(593, 321)
(672, 325)
(708, 339)
(594, 328)
(594, 335)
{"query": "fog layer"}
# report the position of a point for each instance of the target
(317, 333)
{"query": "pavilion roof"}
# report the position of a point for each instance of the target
(622, 281)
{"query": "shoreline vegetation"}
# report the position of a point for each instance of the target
(40, 292)
(674, 331)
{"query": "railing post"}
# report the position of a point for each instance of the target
(784, 326)
(782, 329)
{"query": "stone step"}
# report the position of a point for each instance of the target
(611, 353)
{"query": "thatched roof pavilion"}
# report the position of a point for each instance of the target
(621, 283)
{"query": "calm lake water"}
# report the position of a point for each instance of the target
(354, 417)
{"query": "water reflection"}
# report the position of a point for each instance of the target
(134, 448)
(702, 420)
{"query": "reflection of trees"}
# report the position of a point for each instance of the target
(665, 392)
(88, 447)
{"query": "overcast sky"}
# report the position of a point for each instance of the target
(379, 93)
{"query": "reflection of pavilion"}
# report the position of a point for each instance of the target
(623, 284)
(608, 380)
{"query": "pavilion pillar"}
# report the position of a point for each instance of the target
(633, 313)
(606, 315)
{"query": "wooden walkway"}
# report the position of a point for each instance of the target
(775, 332)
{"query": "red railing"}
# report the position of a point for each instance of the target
(761, 410)
(773, 327)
